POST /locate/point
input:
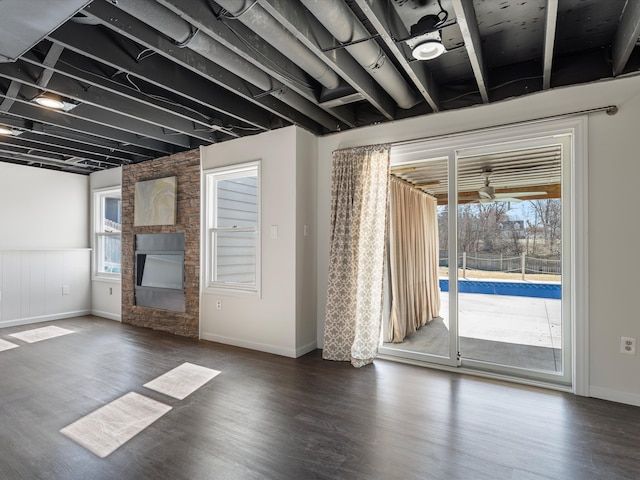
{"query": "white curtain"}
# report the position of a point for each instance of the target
(359, 207)
(413, 259)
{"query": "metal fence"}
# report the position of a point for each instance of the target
(502, 263)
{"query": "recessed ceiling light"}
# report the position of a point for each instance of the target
(428, 50)
(426, 41)
(426, 46)
(9, 131)
(50, 100)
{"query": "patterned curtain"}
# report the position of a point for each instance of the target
(413, 259)
(359, 193)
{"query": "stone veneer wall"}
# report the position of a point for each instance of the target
(186, 167)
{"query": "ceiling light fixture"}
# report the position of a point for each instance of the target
(9, 131)
(426, 40)
(50, 100)
(427, 46)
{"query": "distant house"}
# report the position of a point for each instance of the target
(516, 225)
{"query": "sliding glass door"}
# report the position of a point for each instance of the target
(510, 247)
(505, 253)
(436, 338)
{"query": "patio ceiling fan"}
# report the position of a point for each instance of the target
(488, 194)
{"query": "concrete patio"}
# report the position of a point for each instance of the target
(509, 330)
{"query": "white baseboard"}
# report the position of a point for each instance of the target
(261, 347)
(107, 315)
(44, 318)
(614, 395)
(309, 347)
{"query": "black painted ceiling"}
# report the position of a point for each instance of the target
(143, 79)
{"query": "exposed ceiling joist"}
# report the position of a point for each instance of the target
(10, 96)
(316, 38)
(31, 156)
(141, 117)
(242, 41)
(466, 18)
(308, 115)
(49, 62)
(47, 163)
(163, 74)
(551, 16)
(626, 36)
(84, 142)
(82, 126)
(149, 107)
(43, 137)
(382, 16)
(55, 149)
(142, 79)
(82, 149)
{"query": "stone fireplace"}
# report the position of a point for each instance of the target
(186, 167)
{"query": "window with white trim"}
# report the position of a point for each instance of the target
(107, 228)
(233, 227)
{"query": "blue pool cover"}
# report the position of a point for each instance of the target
(518, 289)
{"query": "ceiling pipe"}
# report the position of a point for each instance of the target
(258, 19)
(342, 23)
(185, 35)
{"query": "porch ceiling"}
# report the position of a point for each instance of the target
(510, 172)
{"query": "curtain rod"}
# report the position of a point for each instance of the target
(609, 109)
(412, 186)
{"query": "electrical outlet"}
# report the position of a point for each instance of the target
(628, 345)
(219, 304)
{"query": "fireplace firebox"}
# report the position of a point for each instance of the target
(159, 270)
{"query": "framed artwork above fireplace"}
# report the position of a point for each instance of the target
(155, 202)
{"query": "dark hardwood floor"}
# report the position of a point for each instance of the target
(270, 417)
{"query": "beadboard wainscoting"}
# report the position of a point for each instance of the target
(42, 285)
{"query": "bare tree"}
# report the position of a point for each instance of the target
(492, 217)
(469, 228)
(480, 227)
(548, 221)
(443, 227)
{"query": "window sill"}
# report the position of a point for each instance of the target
(231, 292)
(105, 279)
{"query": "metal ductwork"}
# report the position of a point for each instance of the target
(342, 23)
(257, 19)
(184, 34)
(26, 25)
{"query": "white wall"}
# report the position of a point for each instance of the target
(106, 295)
(44, 254)
(613, 173)
(614, 230)
(42, 209)
(306, 154)
(267, 323)
(43, 285)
